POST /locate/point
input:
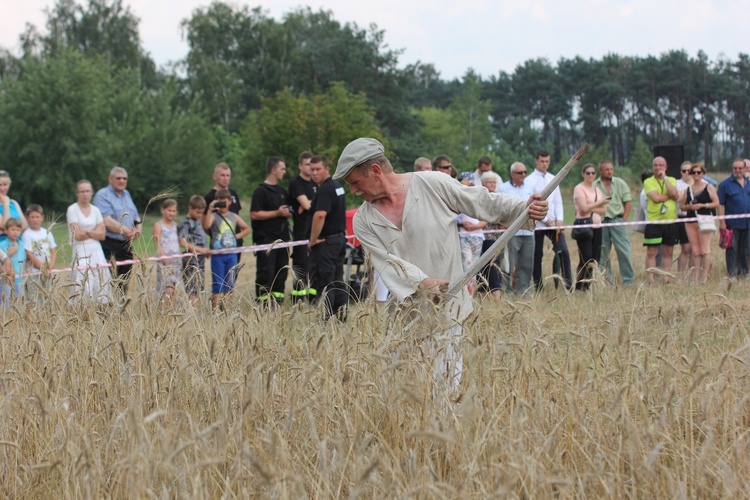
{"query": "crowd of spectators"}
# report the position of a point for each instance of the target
(103, 225)
(603, 205)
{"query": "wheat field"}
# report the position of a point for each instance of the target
(627, 392)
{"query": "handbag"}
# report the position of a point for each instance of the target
(706, 223)
(584, 233)
(725, 238)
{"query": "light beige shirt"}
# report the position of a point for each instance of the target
(427, 245)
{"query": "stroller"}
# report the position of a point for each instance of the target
(356, 274)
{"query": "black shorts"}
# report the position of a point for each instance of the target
(682, 237)
(660, 234)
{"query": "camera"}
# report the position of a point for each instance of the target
(220, 204)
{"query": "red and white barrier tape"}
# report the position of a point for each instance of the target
(624, 223)
(223, 251)
(289, 244)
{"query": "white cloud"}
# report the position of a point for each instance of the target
(540, 13)
(626, 10)
(695, 15)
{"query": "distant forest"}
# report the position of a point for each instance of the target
(84, 95)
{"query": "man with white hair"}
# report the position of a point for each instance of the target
(121, 221)
(521, 246)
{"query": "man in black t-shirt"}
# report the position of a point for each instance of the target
(328, 239)
(301, 192)
(270, 214)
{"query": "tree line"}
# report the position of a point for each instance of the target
(85, 95)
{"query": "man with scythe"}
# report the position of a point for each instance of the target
(407, 226)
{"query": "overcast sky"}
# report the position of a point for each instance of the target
(487, 35)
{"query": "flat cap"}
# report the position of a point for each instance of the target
(356, 153)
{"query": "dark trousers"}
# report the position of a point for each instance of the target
(270, 273)
(739, 254)
(119, 250)
(561, 249)
(492, 278)
(301, 270)
(327, 271)
(589, 252)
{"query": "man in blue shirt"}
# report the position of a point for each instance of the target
(734, 199)
(121, 220)
(521, 246)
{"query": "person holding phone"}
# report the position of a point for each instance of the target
(618, 210)
(589, 201)
(223, 227)
(662, 195)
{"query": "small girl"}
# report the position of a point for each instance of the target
(166, 241)
(13, 247)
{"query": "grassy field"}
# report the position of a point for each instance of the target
(637, 391)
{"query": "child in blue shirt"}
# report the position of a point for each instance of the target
(13, 247)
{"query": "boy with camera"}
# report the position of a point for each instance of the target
(221, 224)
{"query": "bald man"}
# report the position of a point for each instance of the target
(662, 194)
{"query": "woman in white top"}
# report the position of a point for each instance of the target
(471, 234)
(589, 202)
(86, 231)
(700, 199)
